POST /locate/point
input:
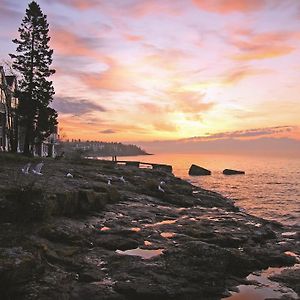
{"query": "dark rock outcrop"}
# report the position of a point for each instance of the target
(69, 238)
(232, 172)
(198, 171)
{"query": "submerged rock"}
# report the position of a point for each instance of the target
(198, 171)
(232, 172)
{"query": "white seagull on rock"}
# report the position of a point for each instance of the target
(25, 169)
(161, 189)
(37, 169)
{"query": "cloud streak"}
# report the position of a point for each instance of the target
(257, 46)
(76, 106)
(230, 6)
(240, 134)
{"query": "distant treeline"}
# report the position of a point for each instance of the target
(96, 148)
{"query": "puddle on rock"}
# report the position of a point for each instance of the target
(168, 234)
(290, 253)
(165, 222)
(143, 253)
(264, 289)
(289, 234)
(105, 228)
(135, 229)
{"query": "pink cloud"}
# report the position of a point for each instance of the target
(70, 44)
(263, 45)
(235, 75)
(229, 6)
(133, 38)
(116, 78)
(79, 4)
(143, 8)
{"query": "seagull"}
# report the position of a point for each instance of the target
(69, 175)
(37, 169)
(122, 179)
(26, 168)
(161, 189)
(109, 182)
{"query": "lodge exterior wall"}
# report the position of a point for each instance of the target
(12, 134)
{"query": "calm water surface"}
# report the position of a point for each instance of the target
(269, 189)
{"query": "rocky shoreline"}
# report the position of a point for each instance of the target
(82, 238)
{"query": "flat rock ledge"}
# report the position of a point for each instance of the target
(233, 172)
(80, 238)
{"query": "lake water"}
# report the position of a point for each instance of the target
(270, 188)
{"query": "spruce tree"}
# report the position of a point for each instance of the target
(32, 61)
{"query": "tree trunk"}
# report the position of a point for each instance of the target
(28, 142)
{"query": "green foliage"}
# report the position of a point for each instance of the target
(33, 63)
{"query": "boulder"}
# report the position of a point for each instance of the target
(161, 167)
(232, 172)
(198, 171)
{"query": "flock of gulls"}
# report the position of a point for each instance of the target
(38, 168)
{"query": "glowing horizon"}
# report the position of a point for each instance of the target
(137, 70)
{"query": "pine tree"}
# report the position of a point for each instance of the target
(36, 91)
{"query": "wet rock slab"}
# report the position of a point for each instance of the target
(140, 243)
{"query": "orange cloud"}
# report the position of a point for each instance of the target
(116, 78)
(164, 125)
(229, 6)
(143, 8)
(91, 127)
(67, 43)
(263, 45)
(133, 38)
(190, 102)
(240, 73)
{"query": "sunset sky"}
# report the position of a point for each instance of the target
(156, 70)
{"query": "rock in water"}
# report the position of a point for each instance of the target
(198, 171)
(232, 172)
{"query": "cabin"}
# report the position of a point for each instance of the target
(9, 125)
(48, 147)
(12, 134)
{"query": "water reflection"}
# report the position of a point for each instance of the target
(165, 222)
(168, 235)
(135, 229)
(144, 253)
(105, 228)
(264, 289)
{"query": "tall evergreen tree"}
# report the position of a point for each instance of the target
(32, 61)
